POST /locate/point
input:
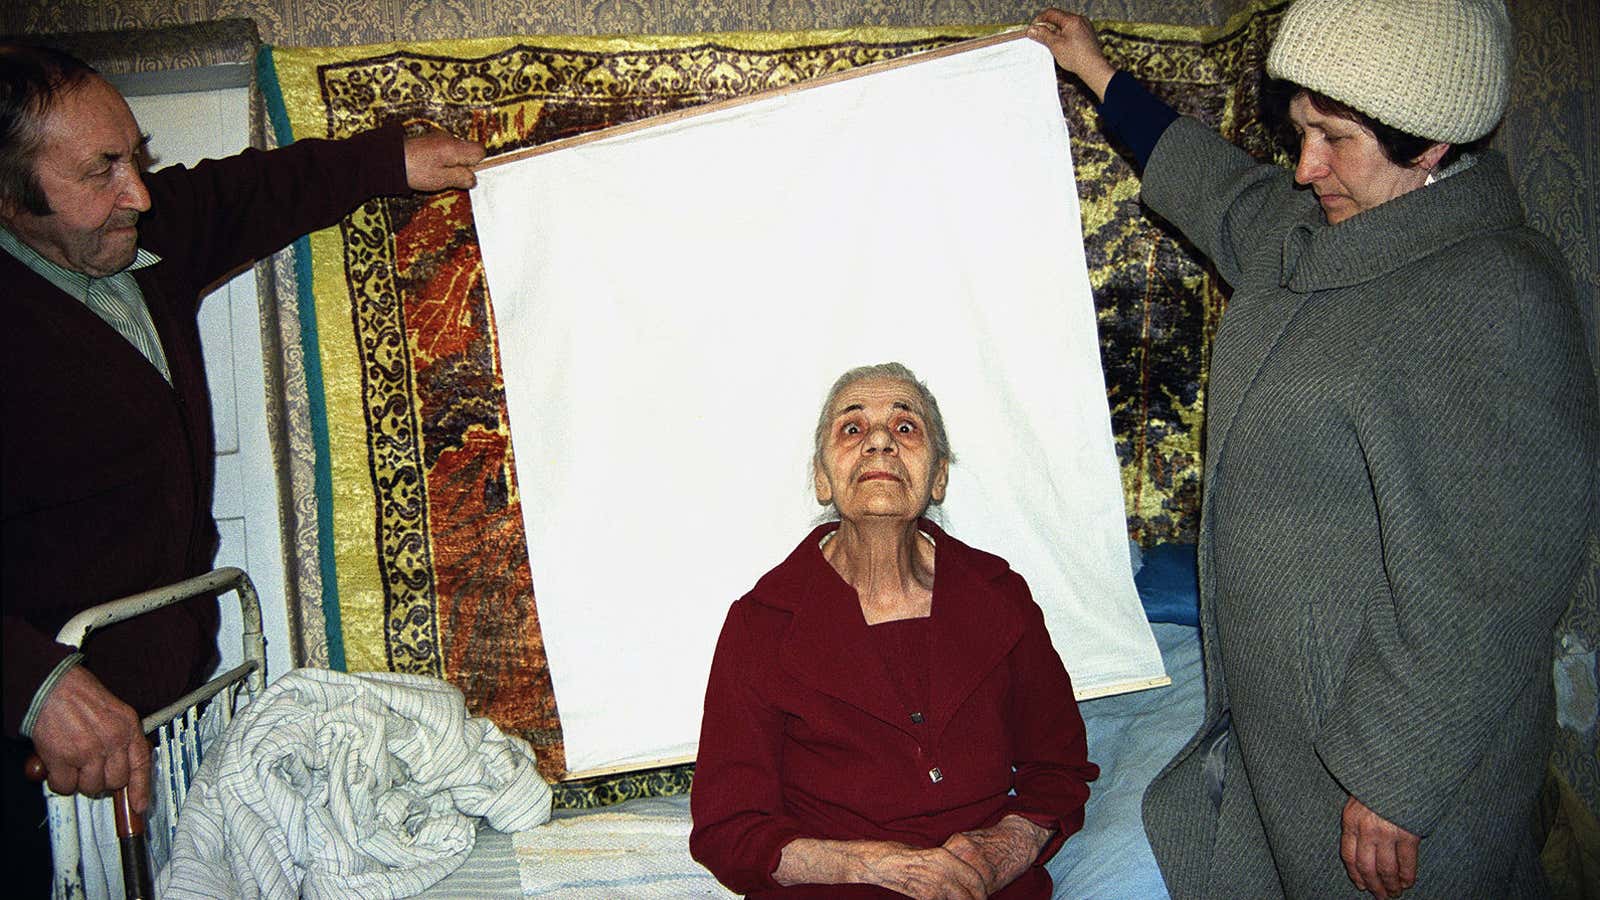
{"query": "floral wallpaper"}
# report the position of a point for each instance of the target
(332, 22)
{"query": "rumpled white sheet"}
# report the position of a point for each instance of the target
(337, 785)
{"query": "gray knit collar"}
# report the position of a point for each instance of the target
(1474, 200)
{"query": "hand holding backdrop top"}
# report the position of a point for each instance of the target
(436, 161)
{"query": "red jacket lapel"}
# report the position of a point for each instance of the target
(828, 649)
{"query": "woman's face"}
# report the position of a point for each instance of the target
(1345, 165)
(877, 457)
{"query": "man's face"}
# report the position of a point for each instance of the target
(89, 164)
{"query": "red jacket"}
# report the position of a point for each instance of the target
(804, 734)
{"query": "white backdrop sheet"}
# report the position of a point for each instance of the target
(672, 304)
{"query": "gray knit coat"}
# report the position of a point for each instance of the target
(1400, 473)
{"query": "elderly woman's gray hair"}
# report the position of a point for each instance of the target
(938, 440)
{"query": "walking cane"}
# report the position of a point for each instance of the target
(130, 835)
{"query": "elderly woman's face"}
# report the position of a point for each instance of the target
(1345, 165)
(877, 458)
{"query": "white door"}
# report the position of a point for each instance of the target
(185, 128)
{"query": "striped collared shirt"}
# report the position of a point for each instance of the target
(116, 299)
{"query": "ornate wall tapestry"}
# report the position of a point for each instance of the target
(424, 561)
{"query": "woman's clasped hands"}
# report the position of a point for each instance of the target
(970, 865)
(936, 873)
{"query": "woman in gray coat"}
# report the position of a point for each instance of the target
(1400, 466)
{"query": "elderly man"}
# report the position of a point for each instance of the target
(108, 438)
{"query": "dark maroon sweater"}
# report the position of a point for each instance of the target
(806, 735)
(107, 469)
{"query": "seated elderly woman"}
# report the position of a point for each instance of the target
(886, 715)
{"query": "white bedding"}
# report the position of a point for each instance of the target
(339, 786)
(636, 850)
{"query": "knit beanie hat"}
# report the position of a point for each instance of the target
(1436, 69)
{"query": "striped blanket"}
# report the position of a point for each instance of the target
(345, 786)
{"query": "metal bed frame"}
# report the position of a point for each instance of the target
(174, 729)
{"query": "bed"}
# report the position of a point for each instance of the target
(639, 849)
(634, 849)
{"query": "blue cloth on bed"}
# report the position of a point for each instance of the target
(1168, 583)
(1131, 736)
